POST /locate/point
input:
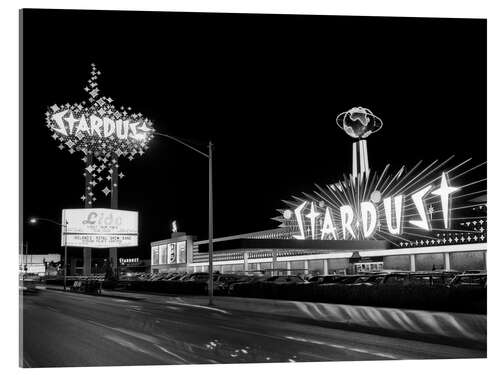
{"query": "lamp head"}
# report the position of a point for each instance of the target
(33, 220)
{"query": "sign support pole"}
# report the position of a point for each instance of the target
(87, 251)
(113, 251)
(210, 229)
(66, 253)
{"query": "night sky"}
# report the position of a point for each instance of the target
(266, 89)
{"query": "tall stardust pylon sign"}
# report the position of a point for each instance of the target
(104, 134)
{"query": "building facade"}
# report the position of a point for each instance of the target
(37, 263)
(459, 251)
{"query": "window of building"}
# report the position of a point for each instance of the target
(163, 254)
(155, 255)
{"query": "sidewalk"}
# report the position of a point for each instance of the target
(468, 330)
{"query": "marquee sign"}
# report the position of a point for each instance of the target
(99, 228)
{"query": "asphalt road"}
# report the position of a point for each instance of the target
(67, 329)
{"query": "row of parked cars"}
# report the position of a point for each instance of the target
(433, 278)
(227, 283)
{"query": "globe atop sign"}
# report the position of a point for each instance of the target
(359, 122)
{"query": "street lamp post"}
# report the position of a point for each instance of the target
(65, 226)
(210, 210)
(210, 229)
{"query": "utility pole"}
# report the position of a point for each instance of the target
(210, 209)
(210, 228)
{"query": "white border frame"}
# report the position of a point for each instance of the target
(422, 8)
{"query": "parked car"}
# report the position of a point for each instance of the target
(286, 280)
(156, 277)
(431, 278)
(340, 279)
(222, 282)
(178, 277)
(472, 271)
(396, 278)
(225, 281)
(258, 278)
(315, 279)
(197, 276)
(368, 280)
(469, 280)
(326, 279)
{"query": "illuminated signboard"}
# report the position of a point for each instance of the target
(171, 253)
(99, 228)
(130, 261)
(103, 131)
(391, 207)
(84, 129)
(99, 127)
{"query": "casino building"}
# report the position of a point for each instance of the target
(426, 217)
(277, 250)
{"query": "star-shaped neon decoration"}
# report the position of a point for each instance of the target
(444, 192)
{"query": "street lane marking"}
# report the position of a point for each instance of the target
(199, 307)
(316, 356)
(127, 344)
(137, 335)
(171, 353)
(378, 354)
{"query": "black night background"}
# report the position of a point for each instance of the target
(266, 89)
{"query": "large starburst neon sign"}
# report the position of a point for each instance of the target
(362, 219)
(414, 203)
